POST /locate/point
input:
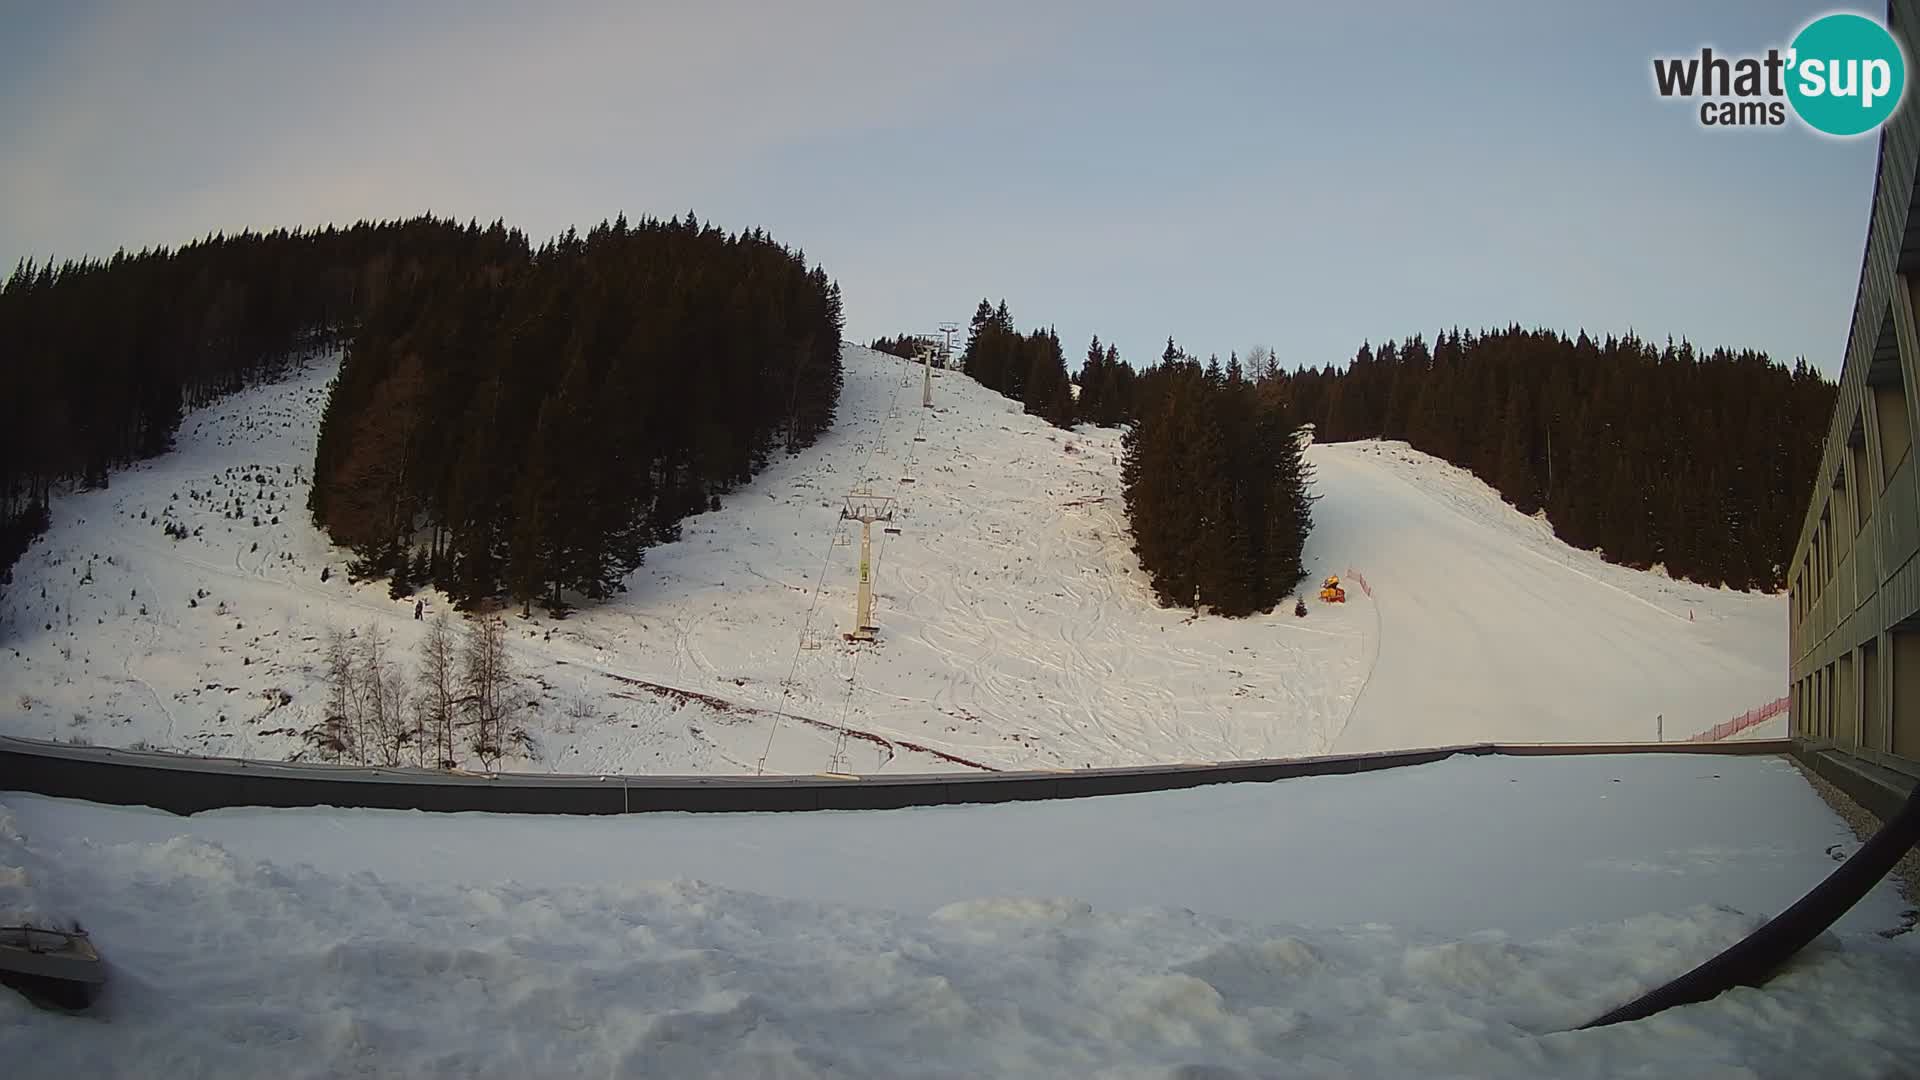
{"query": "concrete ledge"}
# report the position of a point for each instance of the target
(1880, 784)
(189, 785)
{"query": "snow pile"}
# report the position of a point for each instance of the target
(1528, 845)
(1017, 630)
(411, 950)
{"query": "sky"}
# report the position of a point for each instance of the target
(1303, 176)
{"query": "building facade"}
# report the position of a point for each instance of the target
(1854, 585)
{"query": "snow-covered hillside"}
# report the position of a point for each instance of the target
(1016, 626)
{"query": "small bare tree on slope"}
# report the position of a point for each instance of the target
(440, 691)
(486, 687)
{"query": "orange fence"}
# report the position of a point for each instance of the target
(1360, 579)
(1750, 718)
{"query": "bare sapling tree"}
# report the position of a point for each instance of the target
(337, 728)
(486, 687)
(579, 709)
(1262, 364)
(398, 729)
(423, 745)
(383, 695)
(440, 690)
(340, 727)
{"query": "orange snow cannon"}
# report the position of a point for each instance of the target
(1331, 592)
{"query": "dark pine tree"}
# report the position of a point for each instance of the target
(1216, 490)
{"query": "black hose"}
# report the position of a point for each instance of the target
(1755, 960)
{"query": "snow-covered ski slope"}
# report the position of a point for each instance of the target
(1017, 630)
(1491, 629)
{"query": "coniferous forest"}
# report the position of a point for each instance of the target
(1106, 385)
(1216, 486)
(1700, 461)
(903, 346)
(102, 357)
(534, 425)
(1029, 368)
(504, 418)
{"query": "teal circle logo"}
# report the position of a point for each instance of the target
(1845, 74)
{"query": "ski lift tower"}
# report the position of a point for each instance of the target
(866, 508)
(927, 352)
(947, 330)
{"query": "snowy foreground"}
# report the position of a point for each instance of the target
(1449, 920)
(1017, 627)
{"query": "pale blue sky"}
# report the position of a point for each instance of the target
(1300, 175)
